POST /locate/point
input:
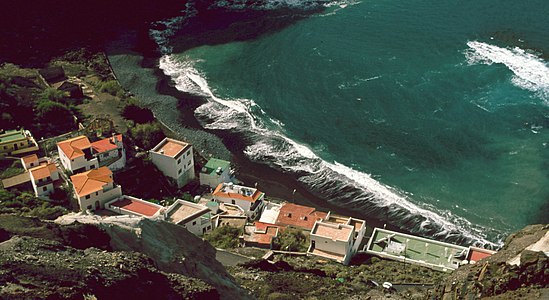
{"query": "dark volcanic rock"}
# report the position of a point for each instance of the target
(38, 268)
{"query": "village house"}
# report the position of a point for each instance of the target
(175, 160)
(195, 217)
(132, 206)
(215, 171)
(94, 188)
(475, 254)
(337, 237)
(76, 154)
(73, 90)
(249, 199)
(260, 235)
(43, 175)
(110, 152)
(298, 216)
(79, 154)
(16, 142)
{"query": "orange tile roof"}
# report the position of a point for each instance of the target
(139, 207)
(170, 147)
(105, 145)
(73, 147)
(29, 158)
(43, 171)
(299, 216)
(226, 193)
(91, 181)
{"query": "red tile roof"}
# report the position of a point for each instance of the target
(170, 147)
(140, 207)
(91, 181)
(476, 254)
(30, 158)
(73, 147)
(43, 171)
(299, 216)
(106, 144)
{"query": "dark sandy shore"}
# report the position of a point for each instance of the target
(139, 74)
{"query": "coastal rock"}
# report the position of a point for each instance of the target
(520, 270)
(172, 248)
(39, 269)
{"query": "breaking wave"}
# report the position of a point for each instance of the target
(530, 71)
(341, 185)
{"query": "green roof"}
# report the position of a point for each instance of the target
(11, 135)
(213, 164)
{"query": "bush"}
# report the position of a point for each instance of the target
(225, 237)
(50, 112)
(147, 135)
(293, 240)
(52, 94)
(46, 212)
(137, 114)
(111, 87)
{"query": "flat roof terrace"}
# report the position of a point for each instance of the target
(133, 205)
(408, 248)
(181, 211)
(170, 147)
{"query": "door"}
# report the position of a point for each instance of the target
(97, 205)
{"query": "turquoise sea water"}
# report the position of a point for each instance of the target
(439, 108)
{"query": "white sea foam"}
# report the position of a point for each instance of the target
(270, 145)
(530, 71)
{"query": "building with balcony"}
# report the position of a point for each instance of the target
(43, 178)
(76, 155)
(215, 171)
(337, 237)
(94, 188)
(175, 160)
(195, 217)
(110, 152)
(249, 199)
(16, 142)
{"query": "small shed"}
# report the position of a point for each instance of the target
(74, 90)
(53, 74)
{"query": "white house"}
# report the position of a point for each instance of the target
(249, 199)
(215, 171)
(337, 237)
(94, 188)
(43, 178)
(195, 217)
(110, 152)
(174, 159)
(132, 206)
(332, 241)
(76, 154)
(31, 161)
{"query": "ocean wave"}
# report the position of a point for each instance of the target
(530, 71)
(341, 185)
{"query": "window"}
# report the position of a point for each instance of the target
(87, 196)
(179, 161)
(234, 202)
(89, 207)
(96, 193)
(45, 188)
(194, 223)
(189, 163)
(179, 172)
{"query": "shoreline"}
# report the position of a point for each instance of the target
(138, 72)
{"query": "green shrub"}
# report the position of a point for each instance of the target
(293, 240)
(147, 135)
(52, 94)
(225, 237)
(46, 212)
(111, 87)
(137, 114)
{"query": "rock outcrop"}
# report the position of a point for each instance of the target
(520, 270)
(34, 268)
(172, 248)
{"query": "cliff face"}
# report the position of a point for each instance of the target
(172, 248)
(520, 270)
(38, 269)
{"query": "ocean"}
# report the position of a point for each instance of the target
(431, 115)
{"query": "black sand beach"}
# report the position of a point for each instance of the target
(137, 70)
